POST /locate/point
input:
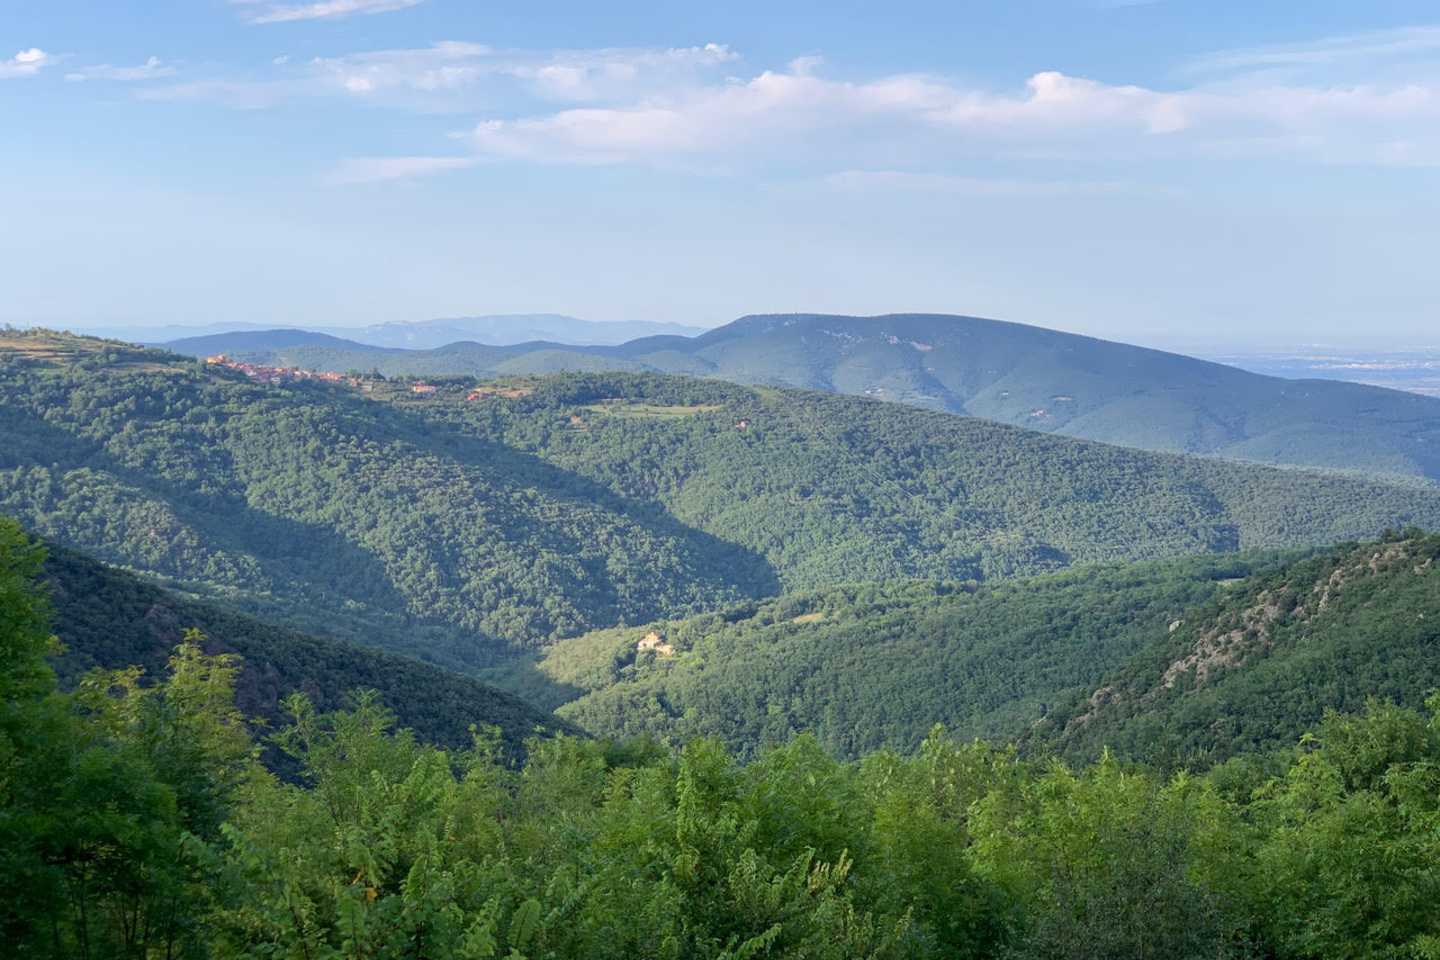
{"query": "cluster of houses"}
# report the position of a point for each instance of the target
(264, 374)
(277, 375)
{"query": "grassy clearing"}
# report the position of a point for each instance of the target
(503, 391)
(50, 348)
(51, 351)
(650, 411)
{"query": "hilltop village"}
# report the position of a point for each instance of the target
(261, 373)
(264, 374)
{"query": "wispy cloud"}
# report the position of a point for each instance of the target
(564, 75)
(149, 70)
(455, 75)
(1371, 46)
(26, 63)
(378, 169)
(263, 11)
(904, 181)
(236, 94)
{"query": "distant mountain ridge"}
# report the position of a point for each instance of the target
(1008, 372)
(498, 329)
(507, 329)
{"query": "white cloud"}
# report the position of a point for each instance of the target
(444, 66)
(376, 169)
(683, 106)
(149, 70)
(722, 118)
(454, 75)
(572, 76)
(790, 114)
(804, 66)
(26, 63)
(795, 108)
(262, 11)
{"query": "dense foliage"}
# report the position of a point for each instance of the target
(1013, 373)
(873, 665)
(109, 619)
(108, 796)
(1177, 663)
(338, 513)
(1258, 664)
(136, 823)
(452, 528)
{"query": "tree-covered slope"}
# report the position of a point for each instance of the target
(455, 523)
(1260, 662)
(1017, 374)
(875, 665)
(338, 513)
(831, 489)
(135, 821)
(1181, 663)
(111, 619)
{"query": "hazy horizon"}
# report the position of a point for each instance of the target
(1215, 347)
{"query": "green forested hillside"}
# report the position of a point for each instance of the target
(876, 665)
(136, 822)
(1180, 664)
(1250, 669)
(452, 528)
(1017, 374)
(339, 513)
(109, 619)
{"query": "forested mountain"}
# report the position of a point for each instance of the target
(1251, 668)
(111, 619)
(320, 506)
(1017, 374)
(453, 523)
(1179, 663)
(873, 666)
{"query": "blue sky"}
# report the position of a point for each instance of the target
(1167, 172)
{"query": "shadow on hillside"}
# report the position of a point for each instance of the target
(309, 576)
(523, 677)
(728, 564)
(291, 553)
(111, 619)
